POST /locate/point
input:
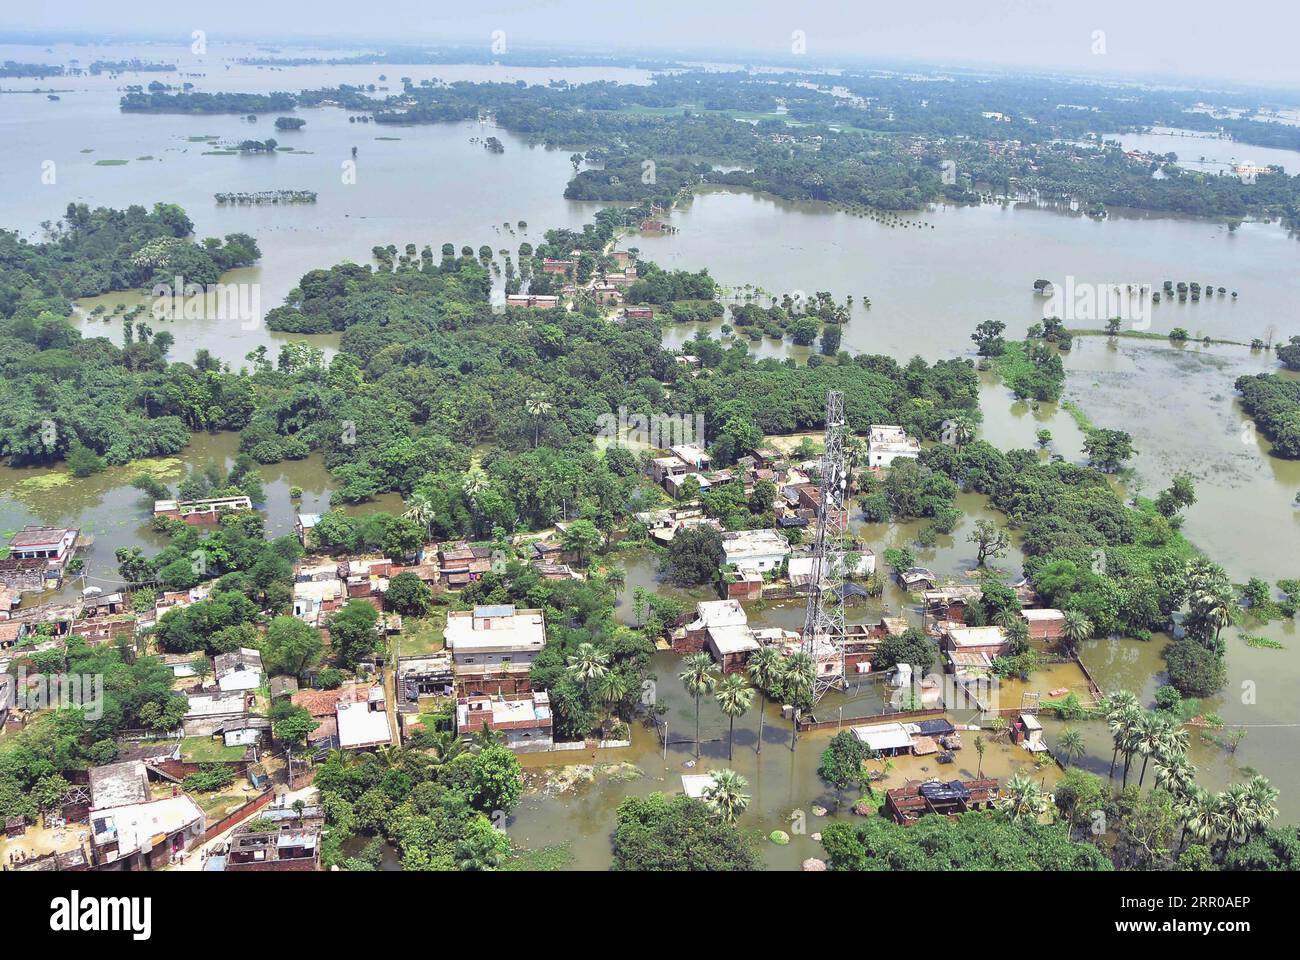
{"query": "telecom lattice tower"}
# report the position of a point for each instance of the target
(823, 631)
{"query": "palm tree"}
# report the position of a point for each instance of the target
(537, 406)
(960, 430)
(390, 756)
(1076, 629)
(765, 666)
(478, 852)
(475, 482)
(419, 510)
(1236, 811)
(1022, 797)
(588, 665)
(1119, 707)
(1071, 744)
(1263, 802)
(800, 676)
(734, 697)
(342, 758)
(1151, 733)
(1215, 607)
(447, 746)
(726, 795)
(1202, 819)
(1174, 772)
(616, 577)
(979, 749)
(485, 737)
(612, 689)
(699, 678)
(1131, 737)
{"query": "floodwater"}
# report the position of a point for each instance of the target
(423, 184)
(106, 506)
(930, 285)
(1198, 151)
(783, 784)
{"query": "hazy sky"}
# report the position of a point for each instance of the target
(1248, 43)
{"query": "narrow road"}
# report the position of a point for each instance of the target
(390, 689)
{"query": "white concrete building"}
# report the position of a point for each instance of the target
(494, 639)
(885, 444)
(760, 550)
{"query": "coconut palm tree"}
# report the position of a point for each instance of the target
(1076, 629)
(485, 737)
(1022, 797)
(800, 676)
(537, 407)
(726, 795)
(1071, 745)
(588, 665)
(764, 668)
(699, 678)
(979, 749)
(734, 697)
(447, 746)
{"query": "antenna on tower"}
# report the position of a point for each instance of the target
(823, 631)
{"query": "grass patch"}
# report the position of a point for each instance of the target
(423, 635)
(209, 750)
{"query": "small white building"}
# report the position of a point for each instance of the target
(362, 726)
(209, 711)
(800, 569)
(886, 739)
(760, 550)
(693, 455)
(239, 670)
(886, 443)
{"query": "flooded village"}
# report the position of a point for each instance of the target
(465, 669)
(758, 508)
